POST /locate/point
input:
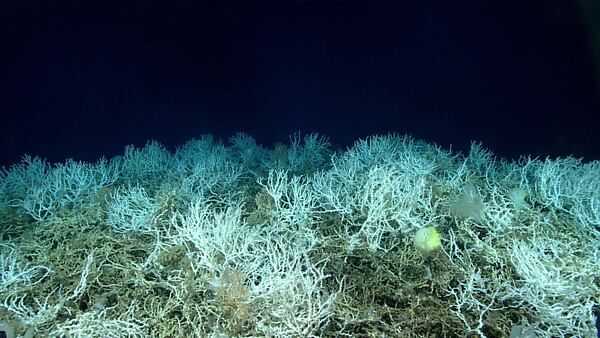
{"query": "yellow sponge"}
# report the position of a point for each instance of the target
(427, 240)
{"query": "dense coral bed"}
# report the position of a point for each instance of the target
(299, 240)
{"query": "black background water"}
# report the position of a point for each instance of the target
(84, 80)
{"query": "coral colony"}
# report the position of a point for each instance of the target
(391, 237)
